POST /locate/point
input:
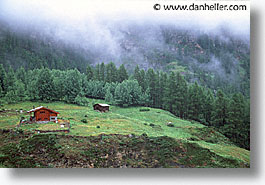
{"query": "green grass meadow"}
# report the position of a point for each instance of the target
(126, 121)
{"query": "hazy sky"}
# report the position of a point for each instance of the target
(100, 27)
(81, 12)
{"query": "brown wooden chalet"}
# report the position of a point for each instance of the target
(43, 115)
(101, 107)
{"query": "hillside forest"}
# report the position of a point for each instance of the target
(195, 77)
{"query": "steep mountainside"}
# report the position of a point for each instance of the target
(215, 59)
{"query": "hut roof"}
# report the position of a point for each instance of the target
(102, 104)
(41, 107)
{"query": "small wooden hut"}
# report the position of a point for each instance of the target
(43, 115)
(101, 107)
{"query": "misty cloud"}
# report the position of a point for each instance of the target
(115, 31)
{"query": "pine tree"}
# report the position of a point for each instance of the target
(45, 85)
(89, 73)
(122, 74)
(111, 73)
(97, 73)
(102, 72)
(72, 85)
(181, 96)
(221, 109)
(2, 80)
(20, 90)
(139, 75)
(21, 74)
(209, 107)
(109, 97)
(169, 93)
(237, 110)
(9, 80)
(128, 93)
(151, 84)
(163, 82)
(195, 104)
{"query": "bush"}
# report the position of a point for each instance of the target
(83, 101)
(98, 126)
(144, 109)
(84, 120)
(152, 125)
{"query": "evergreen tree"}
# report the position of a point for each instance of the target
(59, 84)
(139, 75)
(209, 107)
(111, 73)
(128, 93)
(163, 82)
(102, 72)
(122, 74)
(9, 80)
(181, 96)
(21, 74)
(45, 85)
(97, 73)
(151, 81)
(72, 85)
(221, 109)
(109, 96)
(2, 79)
(170, 93)
(32, 77)
(195, 104)
(237, 110)
(20, 90)
(89, 73)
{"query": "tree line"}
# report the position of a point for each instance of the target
(229, 113)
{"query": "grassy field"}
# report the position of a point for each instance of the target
(127, 121)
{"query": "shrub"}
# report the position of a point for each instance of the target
(144, 109)
(83, 101)
(98, 126)
(152, 125)
(84, 120)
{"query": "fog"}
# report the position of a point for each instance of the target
(116, 30)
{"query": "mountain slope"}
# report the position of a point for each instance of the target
(120, 132)
(214, 59)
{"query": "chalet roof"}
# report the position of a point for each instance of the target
(41, 107)
(102, 104)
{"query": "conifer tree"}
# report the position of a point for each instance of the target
(21, 74)
(221, 109)
(195, 104)
(169, 93)
(140, 76)
(97, 73)
(151, 84)
(73, 85)
(2, 80)
(45, 85)
(89, 73)
(10, 79)
(122, 74)
(181, 96)
(111, 73)
(102, 72)
(209, 107)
